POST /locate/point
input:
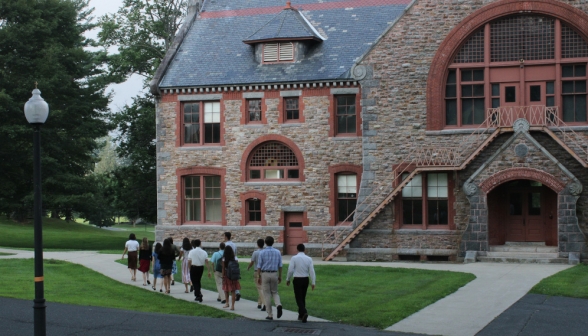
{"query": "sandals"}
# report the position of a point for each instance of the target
(226, 306)
(153, 287)
(167, 292)
(186, 292)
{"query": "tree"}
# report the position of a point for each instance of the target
(107, 156)
(42, 41)
(143, 31)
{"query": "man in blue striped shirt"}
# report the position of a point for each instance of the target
(269, 270)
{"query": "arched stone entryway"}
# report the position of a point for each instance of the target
(566, 233)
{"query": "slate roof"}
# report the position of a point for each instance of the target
(289, 24)
(213, 51)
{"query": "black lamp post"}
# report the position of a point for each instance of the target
(36, 111)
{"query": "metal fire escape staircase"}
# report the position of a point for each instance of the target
(442, 158)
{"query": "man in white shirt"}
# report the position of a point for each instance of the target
(228, 242)
(301, 268)
(198, 258)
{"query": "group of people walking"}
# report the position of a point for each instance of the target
(266, 261)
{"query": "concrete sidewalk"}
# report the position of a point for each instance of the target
(463, 313)
(107, 265)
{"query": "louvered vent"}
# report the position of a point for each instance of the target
(286, 51)
(278, 52)
(270, 52)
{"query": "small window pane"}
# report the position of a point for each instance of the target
(567, 71)
(274, 174)
(535, 93)
(293, 173)
(451, 77)
(568, 108)
(192, 133)
(580, 71)
(516, 204)
(437, 212)
(213, 210)
(495, 102)
(467, 111)
(550, 88)
(450, 91)
(535, 204)
(466, 75)
(479, 90)
(495, 90)
(479, 75)
(211, 133)
(550, 101)
(466, 90)
(451, 111)
(212, 112)
(568, 87)
(412, 211)
(414, 188)
(254, 174)
(580, 86)
(510, 95)
(580, 110)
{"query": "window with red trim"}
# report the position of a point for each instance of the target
(273, 160)
(291, 109)
(202, 199)
(253, 211)
(254, 111)
(346, 197)
(424, 201)
(517, 60)
(201, 123)
(346, 115)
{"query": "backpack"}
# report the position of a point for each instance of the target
(218, 265)
(233, 271)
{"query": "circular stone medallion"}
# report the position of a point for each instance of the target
(521, 150)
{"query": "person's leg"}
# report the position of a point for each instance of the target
(267, 295)
(198, 282)
(135, 274)
(233, 300)
(274, 292)
(218, 278)
(131, 272)
(301, 286)
(193, 278)
(260, 300)
(144, 279)
(297, 296)
(226, 299)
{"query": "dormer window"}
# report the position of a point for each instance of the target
(278, 52)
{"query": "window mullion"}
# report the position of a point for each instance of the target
(424, 202)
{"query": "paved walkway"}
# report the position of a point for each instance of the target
(465, 312)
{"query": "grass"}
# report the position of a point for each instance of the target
(75, 284)
(61, 235)
(6, 254)
(572, 282)
(365, 296)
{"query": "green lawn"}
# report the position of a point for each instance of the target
(61, 235)
(572, 282)
(366, 296)
(75, 284)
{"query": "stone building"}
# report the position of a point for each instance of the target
(378, 129)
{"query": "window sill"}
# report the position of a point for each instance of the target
(452, 131)
(253, 125)
(273, 183)
(432, 232)
(200, 148)
(344, 137)
(201, 224)
(291, 124)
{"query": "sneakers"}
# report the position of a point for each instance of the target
(304, 318)
(269, 318)
(224, 301)
(279, 308)
(219, 300)
(238, 297)
(258, 306)
(263, 309)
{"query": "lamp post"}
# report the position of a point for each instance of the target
(36, 111)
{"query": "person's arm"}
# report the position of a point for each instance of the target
(125, 251)
(207, 266)
(258, 270)
(250, 265)
(291, 269)
(312, 275)
(279, 274)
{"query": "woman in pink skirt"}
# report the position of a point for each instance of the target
(184, 251)
(145, 260)
(228, 284)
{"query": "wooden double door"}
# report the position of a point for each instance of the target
(522, 211)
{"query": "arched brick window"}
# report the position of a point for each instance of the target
(253, 208)
(273, 161)
(515, 54)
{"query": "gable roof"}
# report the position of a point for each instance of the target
(213, 51)
(289, 25)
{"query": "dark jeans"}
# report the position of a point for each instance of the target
(300, 287)
(196, 277)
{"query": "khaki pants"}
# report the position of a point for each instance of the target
(269, 284)
(260, 300)
(218, 278)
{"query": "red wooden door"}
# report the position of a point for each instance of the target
(526, 214)
(515, 228)
(294, 234)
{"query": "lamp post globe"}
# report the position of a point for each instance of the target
(36, 111)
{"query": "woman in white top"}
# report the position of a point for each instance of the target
(131, 246)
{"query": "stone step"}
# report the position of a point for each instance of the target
(523, 255)
(524, 260)
(508, 243)
(521, 248)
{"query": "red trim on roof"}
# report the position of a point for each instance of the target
(306, 7)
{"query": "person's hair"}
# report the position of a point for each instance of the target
(186, 244)
(167, 248)
(197, 242)
(132, 237)
(260, 243)
(269, 240)
(157, 248)
(171, 240)
(228, 235)
(145, 244)
(193, 242)
(229, 255)
(222, 246)
(300, 247)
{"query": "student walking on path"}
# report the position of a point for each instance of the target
(229, 242)
(157, 267)
(269, 269)
(166, 260)
(132, 246)
(254, 258)
(145, 260)
(230, 285)
(301, 269)
(175, 265)
(217, 263)
(197, 259)
(184, 251)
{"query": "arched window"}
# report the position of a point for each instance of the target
(517, 60)
(253, 208)
(271, 161)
